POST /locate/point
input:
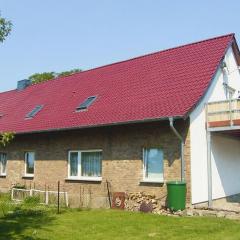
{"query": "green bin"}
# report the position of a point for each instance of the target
(176, 195)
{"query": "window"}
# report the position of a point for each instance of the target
(3, 164)
(73, 162)
(153, 164)
(29, 164)
(34, 112)
(85, 165)
(86, 103)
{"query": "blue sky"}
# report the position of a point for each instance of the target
(54, 35)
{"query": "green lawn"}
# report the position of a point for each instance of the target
(109, 224)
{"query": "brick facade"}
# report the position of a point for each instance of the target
(122, 159)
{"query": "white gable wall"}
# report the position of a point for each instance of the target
(222, 183)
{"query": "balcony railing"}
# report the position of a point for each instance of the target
(223, 113)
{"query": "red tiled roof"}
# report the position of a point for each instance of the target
(155, 86)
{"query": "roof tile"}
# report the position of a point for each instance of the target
(158, 85)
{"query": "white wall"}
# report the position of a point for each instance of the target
(216, 92)
(225, 166)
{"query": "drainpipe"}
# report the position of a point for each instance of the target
(209, 169)
(171, 120)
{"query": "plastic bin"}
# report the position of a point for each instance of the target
(176, 195)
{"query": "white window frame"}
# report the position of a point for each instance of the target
(25, 163)
(151, 180)
(1, 166)
(79, 177)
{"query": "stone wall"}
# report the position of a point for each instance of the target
(121, 166)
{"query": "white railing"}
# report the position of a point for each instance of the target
(223, 112)
(45, 197)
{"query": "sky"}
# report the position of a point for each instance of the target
(58, 35)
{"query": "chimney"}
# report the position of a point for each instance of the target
(22, 84)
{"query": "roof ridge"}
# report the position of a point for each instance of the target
(133, 58)
(149, 54)
(8, 91)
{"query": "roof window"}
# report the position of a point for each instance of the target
(87, 103)
(34, 112)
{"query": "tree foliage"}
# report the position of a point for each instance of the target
(66, 73)
(5, 28)
(6, 138)
(45, 76)
(41, 77)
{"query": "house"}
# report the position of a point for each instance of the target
(169, 115)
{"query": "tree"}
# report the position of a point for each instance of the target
(66, 73)
(6, 138)
(45, 76)
(5, 28)
(42, 77)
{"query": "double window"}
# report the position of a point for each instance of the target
(85, 165)
(153, 165)
(3, 164)
(29, 164)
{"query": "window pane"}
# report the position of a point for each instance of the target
(154, 163)
(91, 164)
(73, 164)
(3, 163)
(86, 103)
(30, 158)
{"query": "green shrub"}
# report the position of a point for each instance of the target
(33, 200)
(19, 186)
(6, 204)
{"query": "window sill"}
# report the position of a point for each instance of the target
(152, 181)
(28, 176)
(85, 179)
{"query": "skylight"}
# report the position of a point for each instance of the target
(87, 103)
(34, 112)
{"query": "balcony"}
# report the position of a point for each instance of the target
(223, 114)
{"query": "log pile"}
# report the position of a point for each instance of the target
(141, 200)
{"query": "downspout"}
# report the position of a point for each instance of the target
(171, 121)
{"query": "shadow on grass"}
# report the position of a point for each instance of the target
(24, 224)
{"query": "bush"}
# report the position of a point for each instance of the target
(5, 204)
(19, 186)
(33, 200)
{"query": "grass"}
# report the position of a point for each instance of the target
(28, 223)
